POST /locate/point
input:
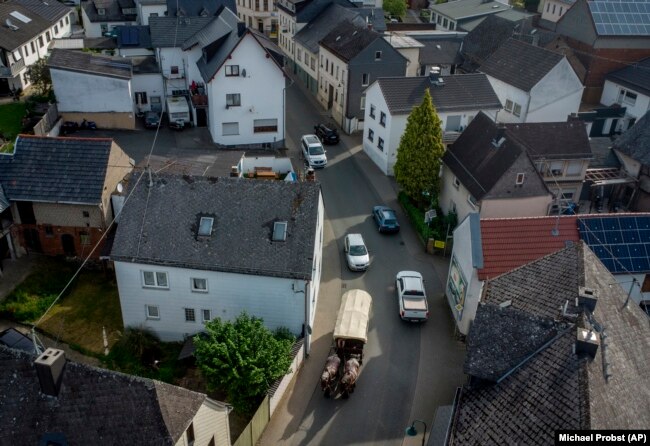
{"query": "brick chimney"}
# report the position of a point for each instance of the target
(587, 341)
(49, 368)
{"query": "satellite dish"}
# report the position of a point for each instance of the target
(120, 188)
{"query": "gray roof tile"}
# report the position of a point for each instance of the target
(438, 50)
(347, 40)
(462, 9)
(58, 170)
(89, 63)
(113, 11)
(635, 76)
(93, 406)
(194, 8)
(163, 237)
(460, 92)
(312, 33)
(520, 64)
(635, 141)
(51, 11)
(12, 39)
(169, 32)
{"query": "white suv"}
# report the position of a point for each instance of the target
(313, 151)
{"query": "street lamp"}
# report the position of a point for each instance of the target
(411, 431)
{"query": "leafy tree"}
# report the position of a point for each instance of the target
(396, 8)
(243, 358)
(419, 153)
(39, 75)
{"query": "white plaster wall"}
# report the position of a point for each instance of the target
(152, 84)
(261, 93)
(504, 92)
(380, 158)
(145, 11)
(462, 251)
(412, 56)
(278, 165)
(516, 207)
(229, 294)
(553, 15)
(330, 77)
(459, 196)
(100, 94)
(610, 96)
(208, 423)
(305, 64)
(556, 96)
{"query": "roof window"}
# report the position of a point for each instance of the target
(205, 226)
(279, 231)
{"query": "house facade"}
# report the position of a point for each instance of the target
(629, 87)
(533, 84)
(270, 267)
(106, 85)
(452, 15)
(631, 149)
(261, 15)
(389, 101)
(28, 30)
(352, 58)
(65, 208)
(553, 10)
(150, 8)
(100, 17)
(603, 45)
(138, 410)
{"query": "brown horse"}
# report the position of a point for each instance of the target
(329, 375)
(350, 375)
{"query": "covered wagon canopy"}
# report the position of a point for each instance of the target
(352, 321)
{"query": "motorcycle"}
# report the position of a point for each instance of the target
(88, 125)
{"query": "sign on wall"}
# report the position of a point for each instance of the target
(457, 286)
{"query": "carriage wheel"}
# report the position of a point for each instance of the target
(327, 392)
(345, 395)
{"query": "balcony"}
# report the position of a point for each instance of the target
(13, 70)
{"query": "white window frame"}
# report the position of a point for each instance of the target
(382, 119)
(456, 183)
(377, 55)
(229, 133)
(194, 287)
(190, 314)
(365, 79)
(372, 111)
(516, 110)
(363, 102)
(380, 143)
(148, 314)
(521, 177)
(233, 99)
(508, 106)
(232, 70)
(625, 97)
(203, 313)
(156, 278)
(472, 201)
(371, 135)
(573, 169)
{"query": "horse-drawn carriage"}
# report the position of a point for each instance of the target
(350, 335)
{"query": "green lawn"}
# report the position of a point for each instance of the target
(90, 304)
(11, 116)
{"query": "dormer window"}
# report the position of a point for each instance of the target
(377, 55)
(279, 231)
(520, 179)
(205, 226)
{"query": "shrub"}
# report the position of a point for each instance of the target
(437, 228)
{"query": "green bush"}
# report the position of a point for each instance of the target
(437, 228)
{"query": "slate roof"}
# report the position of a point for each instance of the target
(150, 233)
(10, 39)
(4, 201)
(479, 165)
(89, 63)
(552, 387)
(347, 40)
(51, 11)
(635, 141)
(313, 32)
(512, 15)
(440, 50)
(635, 77)
(308, 11)
(462, 9)
(459, 92)
(552, 140)
(93, 406)
(502, 252)
(56, 170)
(520, 64)
(195, 8)
(167, 32)
(113, 12)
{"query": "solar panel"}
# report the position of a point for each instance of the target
(621, 243)
(621, 17)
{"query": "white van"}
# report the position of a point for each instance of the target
(313, 151)
(178, 109)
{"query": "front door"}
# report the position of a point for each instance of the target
(260, 26)
(201, 117)
(32, 239)
(67, 241)
(330, 97)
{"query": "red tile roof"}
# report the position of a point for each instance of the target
(509, 243)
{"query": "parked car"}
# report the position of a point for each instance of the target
(411, 297)
(356, 253)
(313, 151)
(327, 134)
(151, 119)
(385, 218)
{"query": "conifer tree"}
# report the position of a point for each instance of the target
(419, 153)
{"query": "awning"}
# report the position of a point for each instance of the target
(607, 176)
(353, 317)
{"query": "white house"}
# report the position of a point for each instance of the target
(179, 261)
(553, 10)
(533, 84)
(96, 88)
(100, 17)
(628, 87)
(150, 8)
(231, 75)
(27, 30)
(390, 100)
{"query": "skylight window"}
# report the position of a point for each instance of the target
(279, 231)
(205, 226)
(23, 18)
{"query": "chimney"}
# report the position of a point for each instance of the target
(587, 341)
(500, 137)
(234, 172)
(587, 297)
(49, 368)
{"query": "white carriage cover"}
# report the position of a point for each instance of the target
(354, 314)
